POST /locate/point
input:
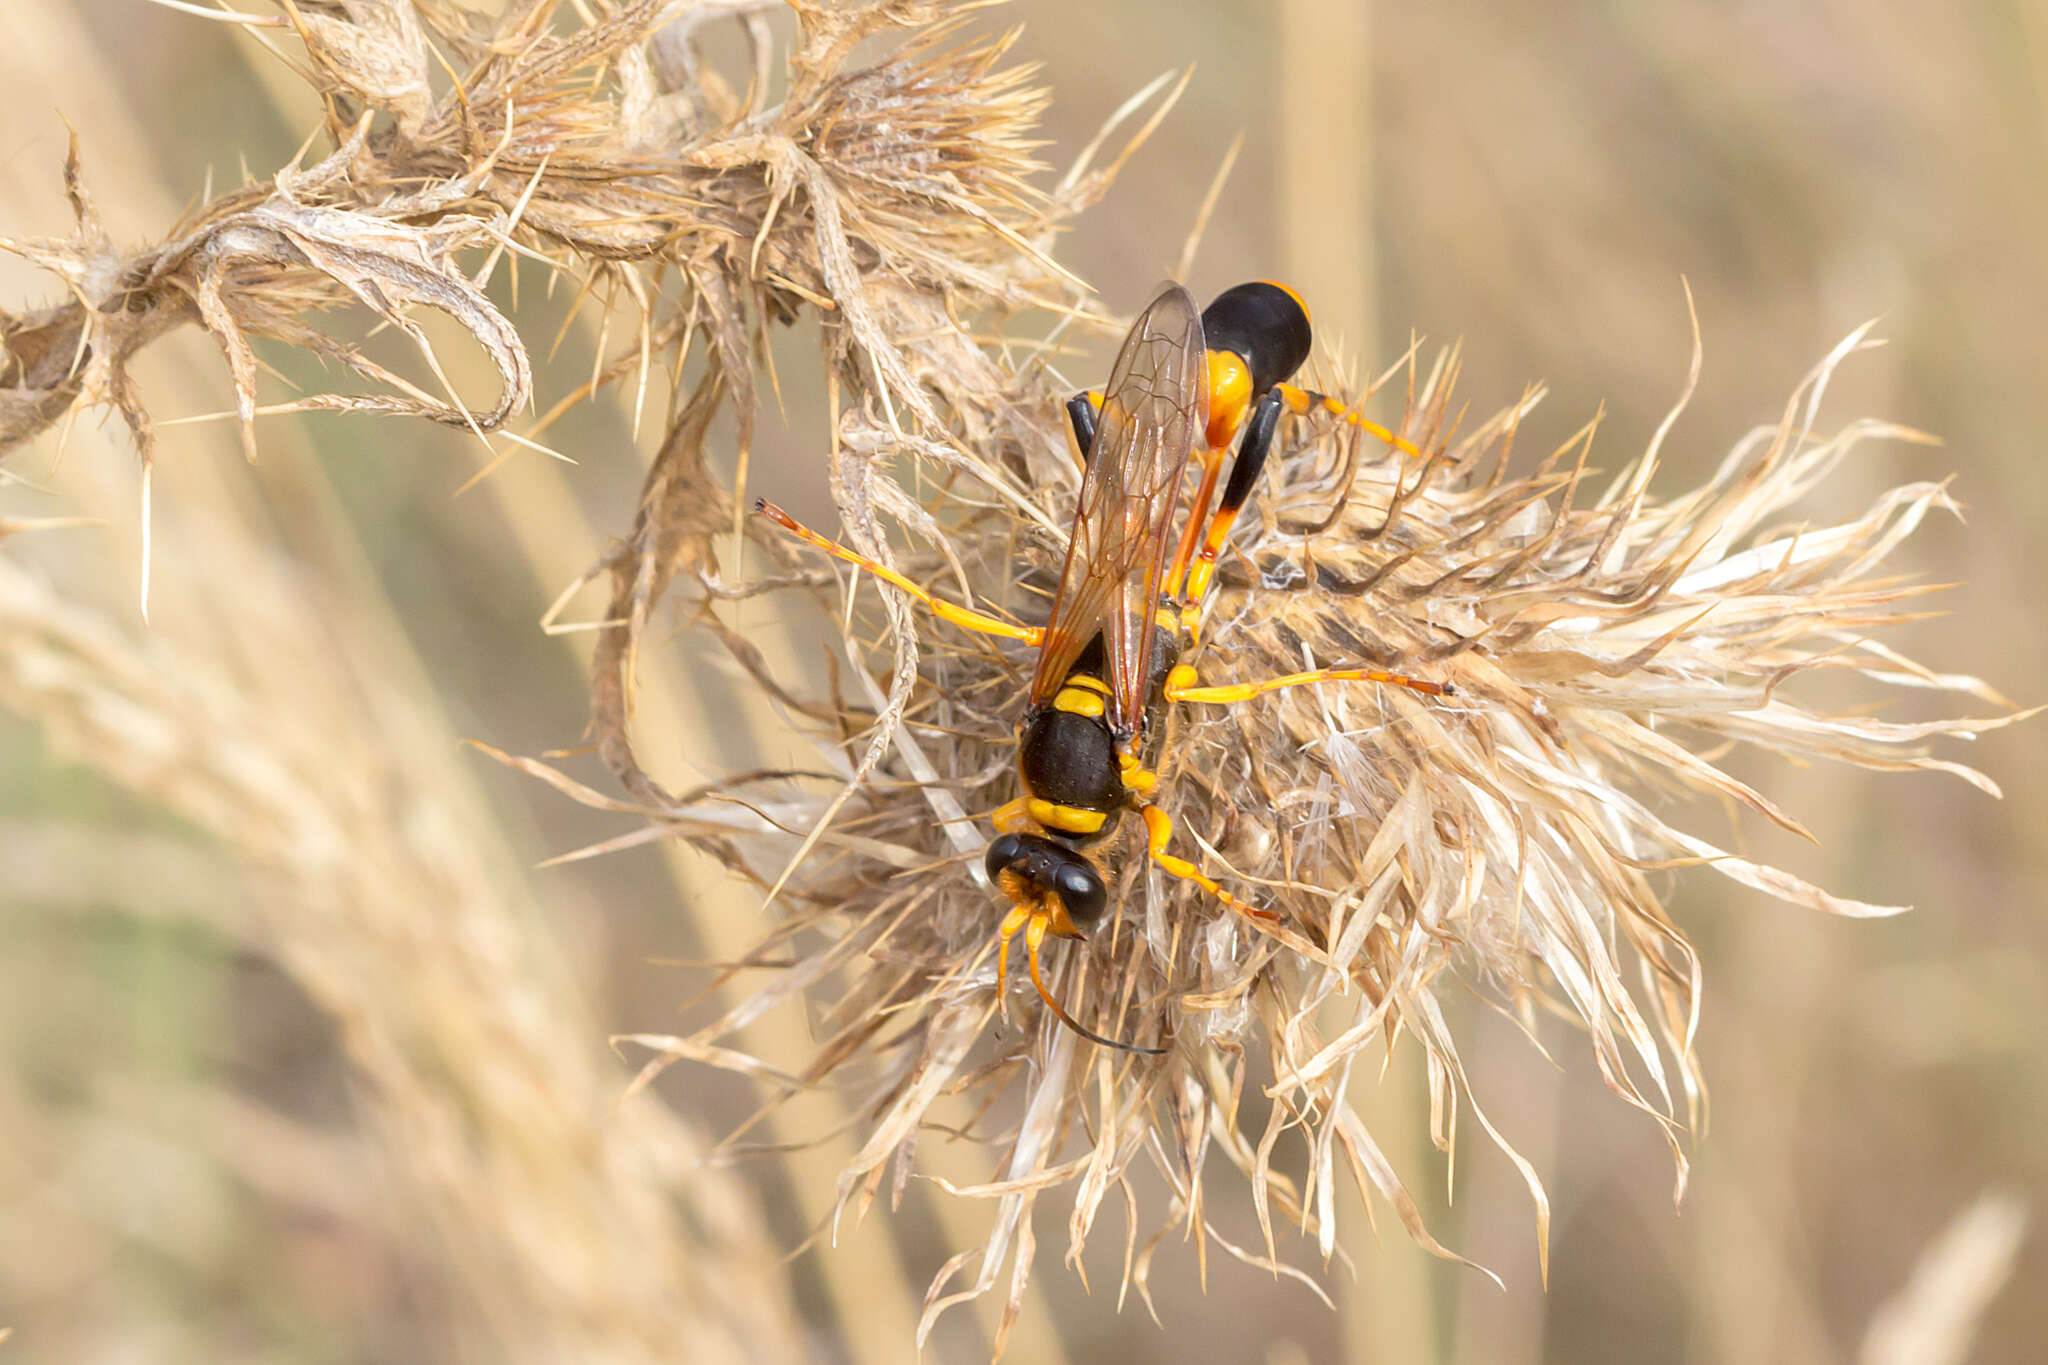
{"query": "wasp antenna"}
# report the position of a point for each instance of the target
(1034, 935)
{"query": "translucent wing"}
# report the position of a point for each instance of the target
(1154, 408)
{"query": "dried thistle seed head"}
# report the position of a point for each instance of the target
(1411, 848)
(1499, 840)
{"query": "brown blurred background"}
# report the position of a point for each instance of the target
(1533, 179)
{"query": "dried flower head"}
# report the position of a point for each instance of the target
(1605, 645)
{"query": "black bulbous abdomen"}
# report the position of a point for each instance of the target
(1263, 323)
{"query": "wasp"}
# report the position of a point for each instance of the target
(1111, 654)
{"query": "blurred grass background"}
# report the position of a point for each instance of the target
(185, 1176)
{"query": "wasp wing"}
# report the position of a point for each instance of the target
(1154, 408)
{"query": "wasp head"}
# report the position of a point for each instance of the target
(1053, 890)
(1050, 877)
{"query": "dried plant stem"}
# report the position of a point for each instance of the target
(563, 1224)
(1602, 646)
(870, 1290)
(1325, 158)
(1330, 251)
(498, 1108)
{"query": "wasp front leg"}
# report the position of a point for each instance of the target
(1012, 816)
(950, 612)
(1158, 834)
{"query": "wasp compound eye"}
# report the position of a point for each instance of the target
(1003, 855)
(1081, 891)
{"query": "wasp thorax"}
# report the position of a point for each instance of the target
(1071, 760)
(1048, 867)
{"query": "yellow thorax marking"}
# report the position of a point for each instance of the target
(1079, 701)
(1066, 819)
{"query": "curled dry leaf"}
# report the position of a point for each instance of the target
(253, 263)
(894, 200)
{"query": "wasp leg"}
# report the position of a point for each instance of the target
(1136, 776)
(1212, 465)
(1036, 922)
(953, 614)
(1159, 833)
(1034, 936)
(1183, 685)
(1083, 409)
(1251, 461)
(1302, 402)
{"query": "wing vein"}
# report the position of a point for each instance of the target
(1154, 407)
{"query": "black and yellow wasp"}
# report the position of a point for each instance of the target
(1109, 657)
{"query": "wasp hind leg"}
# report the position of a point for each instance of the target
(1302, 402)
(1190, 540)
(1084, 412)
(1244, 473)
(950, 612)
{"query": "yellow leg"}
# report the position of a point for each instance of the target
(964, 617)
(1183, 685)
(1302, 402)
(1191, 538)
(1036, 923)
(1136, 777)
(1158, 833)
(1212, 545)
(1034, 935)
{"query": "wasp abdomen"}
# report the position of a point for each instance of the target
(1266, 324)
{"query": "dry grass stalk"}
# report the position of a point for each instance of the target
(483, 1085)
(1933, 1318)
(891, 199)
